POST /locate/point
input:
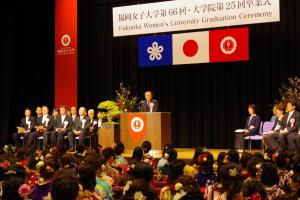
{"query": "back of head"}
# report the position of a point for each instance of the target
(253, 188)
(233, 156)
(230, 178)
(175, 170)
(143, 171)
(137, 154)
(269, 176)
(10, 188)
(87, 177)
(190, 187)
(65, 186)
(140, 188)
(146, 145)
(171, 154)
(119, 148)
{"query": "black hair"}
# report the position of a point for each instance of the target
(230, 178)
(191, 187)
(281, 160)
(108, 153)
(49, 168)
(244, 159)
(269, 176)
(233, 156)
(172, 155)
(143, 170)
(146, 145)
(137, 155)
(253, 166)
(119, 148)
(166, 147)
(197, 152)
(140, 185)
(87, 177)
(11, 187)
(221, 157)
(175, 170)
(65, 185)
(206, 166)
(253, 187)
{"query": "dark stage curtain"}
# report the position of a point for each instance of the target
(26, 60)
(208, 101)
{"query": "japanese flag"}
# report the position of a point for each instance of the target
(190, 48)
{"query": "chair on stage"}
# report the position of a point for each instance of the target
(264, 128)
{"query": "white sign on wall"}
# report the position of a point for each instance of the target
(191, 14)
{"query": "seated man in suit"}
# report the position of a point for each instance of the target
(271, 139)
(45, 125)
(38, 112)
(73, 113)
(80, 128)
(289, 134)
(149, 104)
(93, 130)
(251, 128)
(27, 123)
(62, 125)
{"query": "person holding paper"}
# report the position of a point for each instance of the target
(271, 138)
(62, 125)
(80, 128)
(252, 127)
(26, 127)
(44, 125)
(149, 104)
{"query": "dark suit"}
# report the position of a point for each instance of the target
(253, 126)
(78, 126)
(57, 137)
(48, 127)
(271, 140)
(93, 131)
(145, 106)
(28, 129)
(292, 135)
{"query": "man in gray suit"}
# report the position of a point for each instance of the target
(149, 104)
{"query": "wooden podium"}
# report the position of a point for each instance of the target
(158, 130)
(107, 135)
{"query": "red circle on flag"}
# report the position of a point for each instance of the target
(190, 48)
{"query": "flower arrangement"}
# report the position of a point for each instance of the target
(179, 191)
(139, 196)
(290, 92)
(190, 171)
(124, 101)
(24, 191)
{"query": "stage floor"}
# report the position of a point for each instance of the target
(187, 153)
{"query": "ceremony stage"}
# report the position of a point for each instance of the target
(187, 153)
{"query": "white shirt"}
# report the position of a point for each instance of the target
(44, 118)
(63, 118)
(290, 115)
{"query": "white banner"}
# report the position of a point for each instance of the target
(191, 14)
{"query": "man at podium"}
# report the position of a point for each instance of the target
(149, 104)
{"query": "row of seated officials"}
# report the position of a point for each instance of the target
(284, 135)
(56, 126)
